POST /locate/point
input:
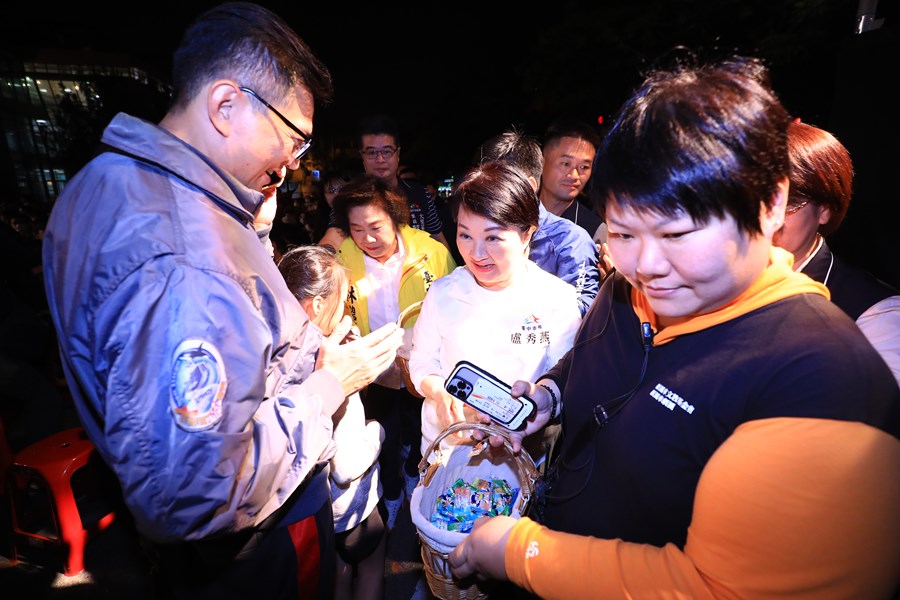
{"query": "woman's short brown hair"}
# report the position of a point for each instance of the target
(821, 172)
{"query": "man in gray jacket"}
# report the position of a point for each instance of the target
(194, 370)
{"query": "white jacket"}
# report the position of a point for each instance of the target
(515, 333)
(355, 485)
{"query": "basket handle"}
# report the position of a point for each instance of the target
(408, 311)
(527, 470)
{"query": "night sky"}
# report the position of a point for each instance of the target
(460, 72)
(457, 73)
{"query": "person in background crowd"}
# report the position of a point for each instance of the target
(500, 311)
(392, 266)
(819, 196)
(408, 172)
(558, 246)
(708, 387)
(379, 146)
(323, 215)
(288, 228)
(194, 370)
(569, 147)
(448, 219)
(320, 283)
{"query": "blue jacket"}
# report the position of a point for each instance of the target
(189, 360)
(563, 248)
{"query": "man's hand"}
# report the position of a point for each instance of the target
(357, 363)
(483, 551)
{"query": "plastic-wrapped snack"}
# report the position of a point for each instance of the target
(463, 526)
(462, 494)
(462, 503)
(502, 498)
(481, 497)
(453, 509)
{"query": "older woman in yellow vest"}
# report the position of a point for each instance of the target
(391, 268)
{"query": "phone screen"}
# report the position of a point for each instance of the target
(482, 391)
(488, 398)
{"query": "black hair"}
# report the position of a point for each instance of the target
(252, 45)
(500, 191)
(379, 125)
(707, 140)
(364, 190)
(570, 127)
(513, 146)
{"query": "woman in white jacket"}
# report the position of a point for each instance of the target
(500, 311)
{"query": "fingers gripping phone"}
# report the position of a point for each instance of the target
(484, 392)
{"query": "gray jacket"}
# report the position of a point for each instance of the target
(189, 361)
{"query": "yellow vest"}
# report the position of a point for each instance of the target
(426, 260)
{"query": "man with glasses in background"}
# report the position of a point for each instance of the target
(194, 370)
(379, 147)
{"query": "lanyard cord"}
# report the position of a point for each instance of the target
(601, 414)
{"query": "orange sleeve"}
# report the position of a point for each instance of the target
(798, 508)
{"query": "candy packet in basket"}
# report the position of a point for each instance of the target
(463, 502)
(469, 480)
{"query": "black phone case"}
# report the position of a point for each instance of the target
(467, 377)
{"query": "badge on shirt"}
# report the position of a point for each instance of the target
(198, 385)
(531, 332)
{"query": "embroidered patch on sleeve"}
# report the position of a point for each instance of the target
(198, 385)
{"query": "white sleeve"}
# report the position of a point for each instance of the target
(569, 320)
(358, 443)
(425, 355)
(881, 326)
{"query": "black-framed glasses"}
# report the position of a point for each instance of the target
(792, 208)
(385, 153)
(306, 138)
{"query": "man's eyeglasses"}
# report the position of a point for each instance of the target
(792, 208)
(333, 189)
(306, 139)
(385, 153)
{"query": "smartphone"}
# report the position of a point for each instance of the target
(484, 392)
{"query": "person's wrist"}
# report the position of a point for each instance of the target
(555, 406)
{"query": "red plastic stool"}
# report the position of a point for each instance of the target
(57, 499)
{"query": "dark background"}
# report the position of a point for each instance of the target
(456, 73)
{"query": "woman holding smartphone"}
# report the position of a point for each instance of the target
(500, 311)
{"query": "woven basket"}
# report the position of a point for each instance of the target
(468, 460)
